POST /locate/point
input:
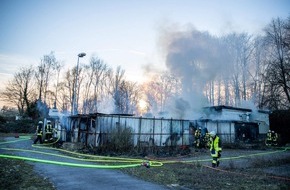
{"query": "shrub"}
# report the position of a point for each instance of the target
(17, 126)
(119, 141)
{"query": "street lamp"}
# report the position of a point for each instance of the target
(75, 105)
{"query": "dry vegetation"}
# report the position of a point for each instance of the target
(248, 174)
(198, 176)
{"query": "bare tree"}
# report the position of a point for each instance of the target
(129, 97)
(278, 67)
(64, 96)
(94, 84)
(67, 89)
(101, 71)
(240, 49)
(160, 89)
(20, 91)
(125, 94)
(88, 75)
(57, 69)
(257, 70)
(115, 81)
(44, 74)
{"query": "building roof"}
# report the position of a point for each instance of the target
(98, 114)
(225, 121)
(219, 108)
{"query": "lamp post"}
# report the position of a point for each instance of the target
(75, 105)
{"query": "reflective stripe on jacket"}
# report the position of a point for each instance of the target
(48, 128)
(39, 130)
(269, 136)
(215, 146)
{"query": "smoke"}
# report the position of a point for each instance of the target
(178, 108)
(197, 58)
(42, 108)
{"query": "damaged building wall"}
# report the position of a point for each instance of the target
(235, 124)
(95, 130)
(262, 118)
(232, 125)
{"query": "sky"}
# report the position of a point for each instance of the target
(120, 32)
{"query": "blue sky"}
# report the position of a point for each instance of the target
(121, 32)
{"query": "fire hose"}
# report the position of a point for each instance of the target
(230, 158)
(125, 162)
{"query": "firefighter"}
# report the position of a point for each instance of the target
(39, 133)
(269, 138)
(197, 136)
(48, 131)
(274, 138)
(207, 140)
(215, 149)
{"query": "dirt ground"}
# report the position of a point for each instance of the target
(239, 169)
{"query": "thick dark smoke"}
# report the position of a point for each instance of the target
(197, 58)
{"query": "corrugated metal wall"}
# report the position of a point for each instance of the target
(94, 130)
(225, 130)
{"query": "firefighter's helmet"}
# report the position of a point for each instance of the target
(212, 133)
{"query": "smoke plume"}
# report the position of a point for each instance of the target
(197, 58)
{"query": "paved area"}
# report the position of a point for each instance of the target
(78, 178)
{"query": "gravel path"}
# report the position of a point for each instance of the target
(78, 178)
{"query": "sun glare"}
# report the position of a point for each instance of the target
(142, 104)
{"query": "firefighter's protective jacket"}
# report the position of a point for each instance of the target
(197, 133)
(39, 130)
(215, 147)
(269, 136)
(48, 128)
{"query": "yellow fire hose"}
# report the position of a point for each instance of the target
(107, 161)
(114, 161)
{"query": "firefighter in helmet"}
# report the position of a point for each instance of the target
(269, 138)
(48, 131)
(215, 149)
(39, 133)
(197, 137)
(207, 140)
(274, 138)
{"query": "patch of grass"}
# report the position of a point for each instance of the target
(261, 162)
(197, 176)
(16, 174)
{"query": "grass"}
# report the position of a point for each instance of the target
(200, 176)
(17, 174)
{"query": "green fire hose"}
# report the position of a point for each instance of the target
(115, 162)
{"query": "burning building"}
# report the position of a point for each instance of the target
(232, 124)
(235, 124)
(96, 129)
